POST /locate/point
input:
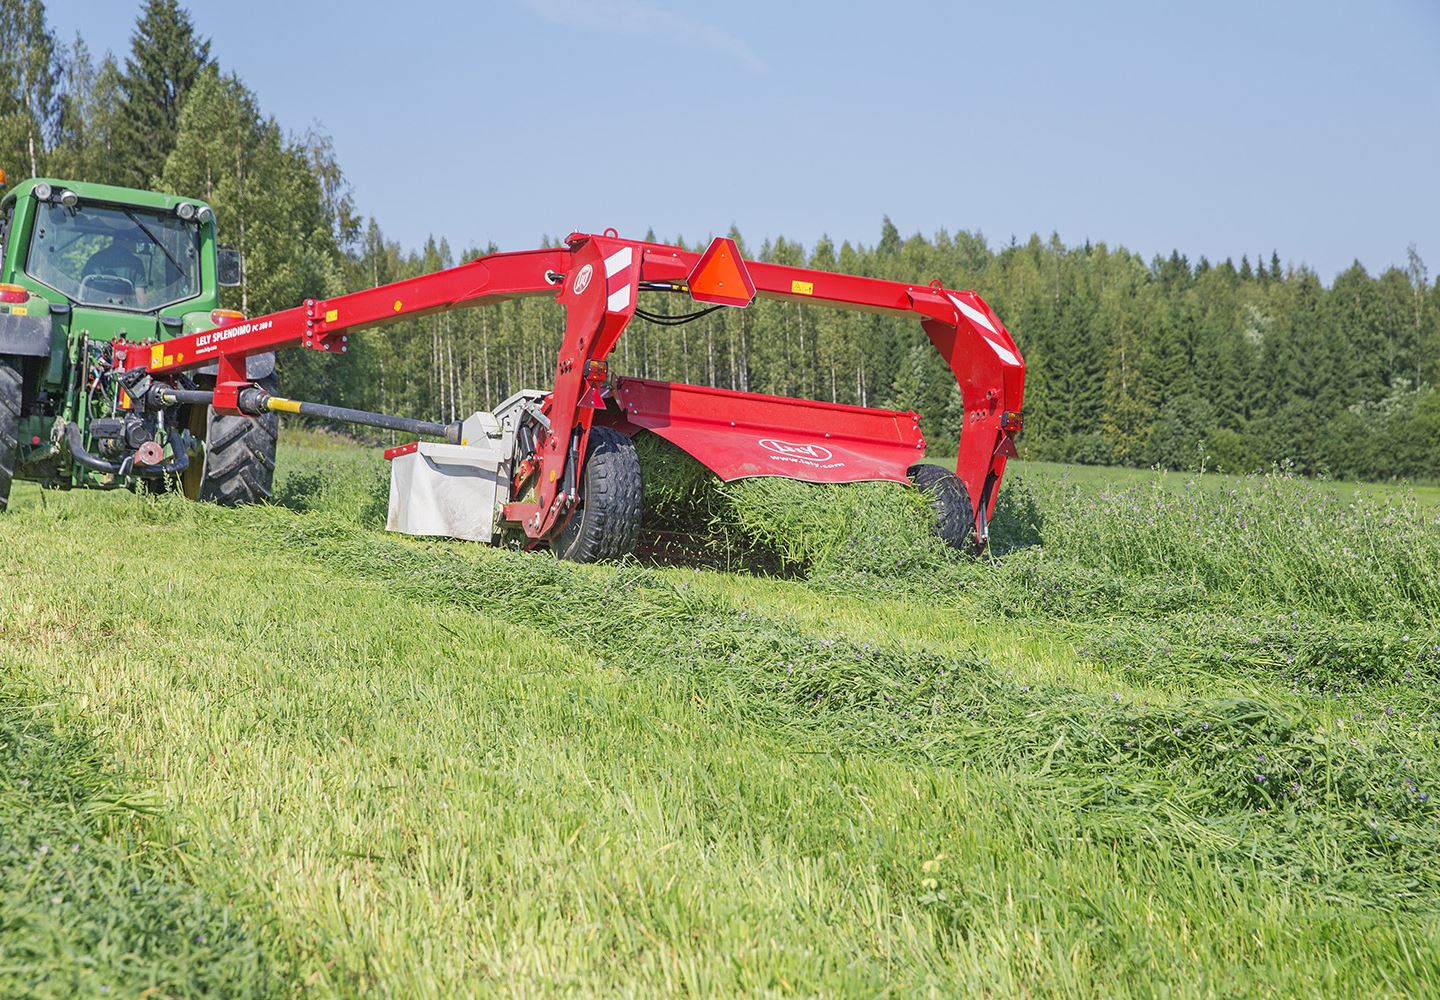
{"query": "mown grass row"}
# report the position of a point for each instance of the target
(91, 900)
(1345, 810)
(462, 766)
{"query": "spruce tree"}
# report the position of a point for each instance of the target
(166, 58)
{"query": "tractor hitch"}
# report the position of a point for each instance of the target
(144, 460)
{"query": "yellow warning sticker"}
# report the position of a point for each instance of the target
(157, 356)
(19, 310)
(802, 287)
(331, 315)
(169, 360)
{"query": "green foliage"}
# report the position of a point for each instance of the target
(30, 73)
(166, 60)
(91, 113)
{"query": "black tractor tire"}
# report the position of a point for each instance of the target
(950, 500)
(238, 466)
(11, 389)
(607, 525)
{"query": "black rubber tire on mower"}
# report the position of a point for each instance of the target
(238, 466)
(607, 525)
(11, 389)
(954, 513)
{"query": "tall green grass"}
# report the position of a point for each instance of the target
(1273, 540)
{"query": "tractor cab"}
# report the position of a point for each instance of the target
(114, 256)
(84, 267)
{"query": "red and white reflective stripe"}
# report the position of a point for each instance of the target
(398, 450)
(619, 266)
(981, 320)
(619, 261)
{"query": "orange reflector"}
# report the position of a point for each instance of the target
(13, 293)
(720, 277)
(222, 316)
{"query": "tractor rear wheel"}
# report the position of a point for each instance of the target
(950, 500)
(11, 388)
(238, 466)
(607, 524)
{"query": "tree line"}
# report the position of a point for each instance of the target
(1168, 361)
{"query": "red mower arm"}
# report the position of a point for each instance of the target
(597, 279)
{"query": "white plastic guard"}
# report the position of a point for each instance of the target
(448, 490)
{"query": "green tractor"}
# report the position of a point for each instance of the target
(83, 266)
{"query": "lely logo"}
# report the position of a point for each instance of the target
(803, 452)
(582, 279)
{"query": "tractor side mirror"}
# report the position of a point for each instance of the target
(229, 266)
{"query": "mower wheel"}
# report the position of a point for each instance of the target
(954, 513)
(238, 466)
(11, 388)
(607, 524)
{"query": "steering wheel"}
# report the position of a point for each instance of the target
(109, 286)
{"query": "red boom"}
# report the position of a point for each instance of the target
(597, 280)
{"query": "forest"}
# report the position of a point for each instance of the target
(1172, 361)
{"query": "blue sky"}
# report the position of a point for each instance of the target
(1220, 128)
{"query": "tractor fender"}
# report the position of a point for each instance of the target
(257, 366)
(26, 336)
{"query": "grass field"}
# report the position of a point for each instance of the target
(1178, 739)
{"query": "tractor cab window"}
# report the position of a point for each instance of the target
(115, 256)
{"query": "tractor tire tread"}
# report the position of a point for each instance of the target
(239, 459)
(607, 525)
(950, 500)
(11, 391)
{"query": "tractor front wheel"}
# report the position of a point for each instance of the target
(950, 500)
(607, 524)
(11, 388)
(238, 466)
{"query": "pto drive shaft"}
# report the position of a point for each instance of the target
(256, 401)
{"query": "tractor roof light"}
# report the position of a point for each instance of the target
(42, 191)
(185, 210)
(204, 215)
(69, 198)
(13, 293)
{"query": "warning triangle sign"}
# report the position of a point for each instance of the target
(720, 277)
